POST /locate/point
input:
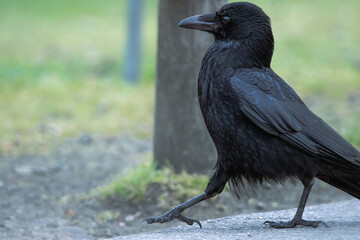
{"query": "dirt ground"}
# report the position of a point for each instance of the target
(47, 196)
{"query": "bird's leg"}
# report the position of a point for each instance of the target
(215, 186)
(297, 220)
(176, 212)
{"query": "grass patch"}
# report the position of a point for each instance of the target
(133, 184)
(145, 181)
(52, 110)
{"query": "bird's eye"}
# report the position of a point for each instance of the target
(225, 19)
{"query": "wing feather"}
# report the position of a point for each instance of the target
(275, 107)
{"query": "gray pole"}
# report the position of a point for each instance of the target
(133, 44)
(181, 138)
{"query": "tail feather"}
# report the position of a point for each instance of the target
(349, 185)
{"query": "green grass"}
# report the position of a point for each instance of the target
(61, 73)
(61, 67)
(44, 113)
(133, 185)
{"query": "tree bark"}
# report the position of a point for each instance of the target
(181, 138)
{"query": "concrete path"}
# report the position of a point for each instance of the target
(342, 219)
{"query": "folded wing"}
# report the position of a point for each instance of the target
(275, 107)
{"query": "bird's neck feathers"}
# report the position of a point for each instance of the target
(255, 50)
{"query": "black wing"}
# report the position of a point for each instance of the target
(275, 107)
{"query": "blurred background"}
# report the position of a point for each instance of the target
(62, 74)
(62, 66)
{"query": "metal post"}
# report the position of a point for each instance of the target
(133, 45)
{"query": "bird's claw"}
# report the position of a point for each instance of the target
(169, 216)
(295, 222)
(188, 220)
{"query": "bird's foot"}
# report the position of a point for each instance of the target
(170, 215)
(295, 222)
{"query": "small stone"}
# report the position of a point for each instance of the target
(49, 128)
(40, 170)
(74, 223)
(137, 214)
(252, 201)
(260, 205)
(24, 170)
(86, 139)
(122, 224)
(58, 168)
(129, 218)
(274, 204)
(54, 129)
(221, 207)
(69, 213)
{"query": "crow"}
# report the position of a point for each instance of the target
(262, 130)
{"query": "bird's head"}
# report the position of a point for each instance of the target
(241, 23)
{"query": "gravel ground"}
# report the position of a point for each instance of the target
(43, 197)
(47, 196)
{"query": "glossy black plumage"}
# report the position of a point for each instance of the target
(261, 128)
(259, 125)
(264, 131)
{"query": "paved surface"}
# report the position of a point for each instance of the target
(342, 219)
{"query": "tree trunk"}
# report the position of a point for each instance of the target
(181, 138)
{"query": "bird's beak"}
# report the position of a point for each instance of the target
(206, 22)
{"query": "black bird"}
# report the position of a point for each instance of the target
(261, 128)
